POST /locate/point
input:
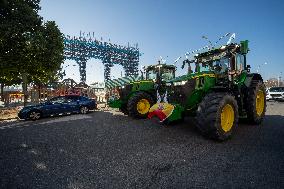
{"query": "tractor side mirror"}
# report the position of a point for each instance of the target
(248, 68)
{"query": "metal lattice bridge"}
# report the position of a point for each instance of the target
(82, 48)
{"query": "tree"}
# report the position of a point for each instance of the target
(29, 49)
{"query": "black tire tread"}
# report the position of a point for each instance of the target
(132, 104)
(208, 114)
(252, 116)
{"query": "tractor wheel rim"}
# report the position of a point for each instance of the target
(143, 106)
(84, 110)
(35, 115)
(259, 102)
(227, 117)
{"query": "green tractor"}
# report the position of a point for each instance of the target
(219, 91)
(135, 95)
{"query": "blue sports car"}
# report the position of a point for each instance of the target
(58, 106)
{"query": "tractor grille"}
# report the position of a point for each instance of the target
(275, 95)
(180, 94)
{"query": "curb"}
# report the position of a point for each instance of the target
(12, 118)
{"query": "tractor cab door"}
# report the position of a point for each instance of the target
(240, 62)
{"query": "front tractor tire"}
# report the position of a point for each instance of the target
(256, 102)
(217, 115)
(139, 105)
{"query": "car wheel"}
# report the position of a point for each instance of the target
(34, 115)
(84, 110)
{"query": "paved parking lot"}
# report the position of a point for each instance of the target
(106, 149)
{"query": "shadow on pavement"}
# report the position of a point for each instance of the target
(106, 149)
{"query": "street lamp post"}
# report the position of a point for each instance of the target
(279, 79)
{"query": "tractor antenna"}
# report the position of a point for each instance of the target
(206, 38)
(226, 35)
(162, 60)
(210, 46)
(233, 36)
(177, 60)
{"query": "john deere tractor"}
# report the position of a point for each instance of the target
(135, 95)
(218, 91)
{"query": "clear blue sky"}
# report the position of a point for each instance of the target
(170, 28)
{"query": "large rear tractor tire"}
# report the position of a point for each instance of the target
(139, 105)
(217, 115)
(256, 102)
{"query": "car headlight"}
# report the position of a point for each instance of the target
(24, 110)
(20, 108)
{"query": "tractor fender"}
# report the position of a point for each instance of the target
(219, 89)
(252, 77)
(144, 91)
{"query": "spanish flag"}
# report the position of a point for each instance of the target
(162, 110)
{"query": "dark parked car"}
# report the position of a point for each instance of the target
(58, 106)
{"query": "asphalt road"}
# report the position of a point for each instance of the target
(110, 150)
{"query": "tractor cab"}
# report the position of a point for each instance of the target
(160, 72)
(226, 60)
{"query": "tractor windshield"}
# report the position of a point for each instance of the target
(218, 66)
(164, 73)
(168, 74)
(151, 74)
(220, 63)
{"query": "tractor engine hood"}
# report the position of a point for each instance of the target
(191, 76)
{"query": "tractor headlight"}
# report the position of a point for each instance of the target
(179, 83)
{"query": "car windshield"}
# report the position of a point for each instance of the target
(59, 99)
(72, 98)
(276, 89)
(83, 98)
